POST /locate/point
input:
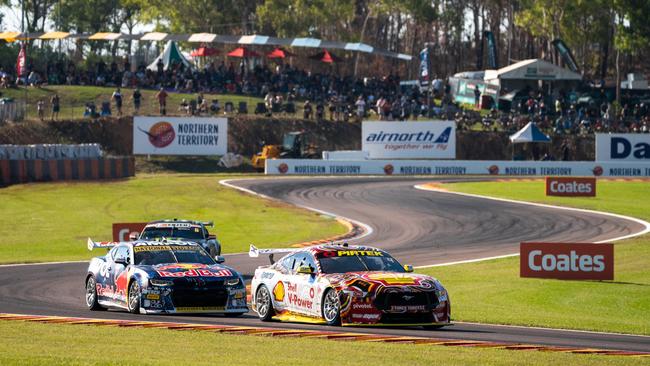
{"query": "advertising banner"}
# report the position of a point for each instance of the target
(180, 136)
(567, 261)
(409, 140)
(570, 187)
(457, 167)
(122, 230)
(424, 67)
(566, 54)
(628, 147)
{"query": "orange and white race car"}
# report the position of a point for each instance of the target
(346, 285)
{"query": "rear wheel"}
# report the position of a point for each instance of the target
(133, 303)
(264, 304)
(331, 308)
(91, 294)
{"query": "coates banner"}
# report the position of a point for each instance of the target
(570, 187)
(122, 230)
(567, 261)
(623, 147)
(410, 140)
(456, 167)
(180, 136)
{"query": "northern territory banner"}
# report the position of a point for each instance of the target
(180, 136)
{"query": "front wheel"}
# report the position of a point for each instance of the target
(91, 294)
(331, 308)
(133, 303)
(264, 304)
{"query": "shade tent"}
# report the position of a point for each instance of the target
(326, 56)
(204, 52)
(170, 55)
(530, 133)
(279, 53)
(243, 52)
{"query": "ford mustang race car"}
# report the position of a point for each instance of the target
(167, 276)
(346, 285)
(185, 230)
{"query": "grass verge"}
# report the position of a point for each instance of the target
(51, 221)
(492, 292)
(55, 344)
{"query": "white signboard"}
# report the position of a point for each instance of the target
(180, 136)
(456, 167)
(409, 140)
(627, 147)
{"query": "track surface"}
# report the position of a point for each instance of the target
(417, 227)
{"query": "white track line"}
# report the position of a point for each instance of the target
(367, 229)
(638, 221)
(552, 329)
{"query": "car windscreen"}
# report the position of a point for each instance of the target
(359, 263)
(172, 232)
(164, 254)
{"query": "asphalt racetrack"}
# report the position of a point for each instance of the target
(417, 227)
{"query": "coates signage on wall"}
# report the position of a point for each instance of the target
(410, 140)
(457, 167)
(567, 261)
(180, 136)
(570, 187)
(122, 230)
(623, 147)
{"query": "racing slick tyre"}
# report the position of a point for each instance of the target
(133, 301)
(331, 308)
(91, 294)
(264, 304)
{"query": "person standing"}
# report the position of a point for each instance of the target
(477, 96)
(40, 107)
(56, 106)
(361, 108)
(162, 101)
(117, 97)
(137, 100)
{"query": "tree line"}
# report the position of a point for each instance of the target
(608, 37)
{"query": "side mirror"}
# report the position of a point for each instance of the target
(134, 236)
(122, 260)
(305, 270)
(408, 268)
(219, 259)
(212, 237)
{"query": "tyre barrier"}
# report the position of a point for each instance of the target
(26, 171)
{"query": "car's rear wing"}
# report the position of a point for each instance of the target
(102, 244)
(254, 252)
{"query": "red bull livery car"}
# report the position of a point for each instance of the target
(167, 276)
(346, 285)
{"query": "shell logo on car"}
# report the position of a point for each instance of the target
(278, 291)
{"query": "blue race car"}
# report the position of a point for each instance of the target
(158, 277)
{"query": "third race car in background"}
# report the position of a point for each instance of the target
(186, 230)
(346, 285)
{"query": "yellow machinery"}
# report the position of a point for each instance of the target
(294, 146)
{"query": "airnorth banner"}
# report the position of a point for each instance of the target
(409, 140)
(180, 136)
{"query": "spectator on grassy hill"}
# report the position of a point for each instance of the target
(361, 108)
(55, 101)
(306, 110)
(162, 101)
(137, 99)
(40, 107)
(117, 98)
